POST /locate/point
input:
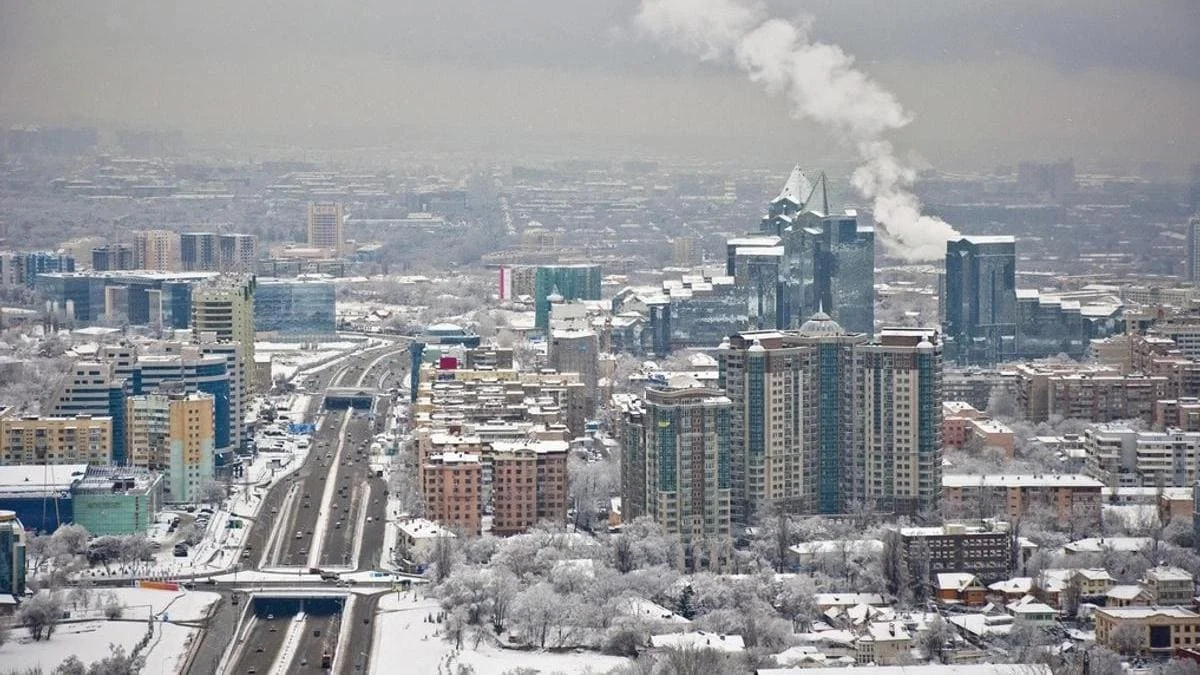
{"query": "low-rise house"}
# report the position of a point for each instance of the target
(1126, 595)
(883, 643)
(961, 587)
(1161, 630)
(1028, 612)
(826, 600)
(1169, 586)
(1013, 589)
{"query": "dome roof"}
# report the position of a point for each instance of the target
(821, 325)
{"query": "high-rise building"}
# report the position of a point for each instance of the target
(237, 252)
(112, 257)
(979, 298)
(897, 459)
(190, 444)
(686, 464)
(631, 437)
(12, 555)
(792, 416)
(93, 389)
(225, 307)
(1193, 245)
(56, 440)
(173, 434)
(325, 227)
(806, 259)
(577, 351)
(826, 422)
(295, 307)
(213, 252)
(199, 251)
(156, 250)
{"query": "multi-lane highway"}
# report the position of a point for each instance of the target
(296, 643)
(329, 514)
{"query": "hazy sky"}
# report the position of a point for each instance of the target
(987, 82)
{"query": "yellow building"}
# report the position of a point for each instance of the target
(82, 439)
(325, 220)
(1161, 629)
(190, 445)
(156, 250)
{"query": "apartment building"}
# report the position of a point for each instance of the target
(1096, 393)
(1125, 457)
(528, 485)
(1167, 585)
(986, 550)
(82, 439)
(174, 434)
(824, 421)
(451, 484)
(686, 464)
(1012, 496)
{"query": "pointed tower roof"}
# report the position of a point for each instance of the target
(796, 189)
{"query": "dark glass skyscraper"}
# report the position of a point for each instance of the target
(807, 260)
(979, 298)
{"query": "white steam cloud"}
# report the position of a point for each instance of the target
(822, 85)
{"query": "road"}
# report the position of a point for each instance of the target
(336, 479)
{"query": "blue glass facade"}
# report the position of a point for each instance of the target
(12, 557)
(295, 307)
(979, 298)
(573, 282)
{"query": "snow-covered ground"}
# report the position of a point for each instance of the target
(89, 640)
(289, 358)
(403, 636)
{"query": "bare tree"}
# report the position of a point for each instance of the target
(1127, 638)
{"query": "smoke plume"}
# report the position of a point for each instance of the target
(822, 85)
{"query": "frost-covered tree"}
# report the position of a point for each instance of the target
(41, 614)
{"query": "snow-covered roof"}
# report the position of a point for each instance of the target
(699, 640)
(956, 581)
(40, 477)
(796, 189)
(1127, 592)
(1101, 544)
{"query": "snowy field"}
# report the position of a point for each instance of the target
(402, 636)
(89, 640)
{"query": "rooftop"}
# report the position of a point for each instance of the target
(40, 477)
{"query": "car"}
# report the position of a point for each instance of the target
(299, 535)
(270, 617)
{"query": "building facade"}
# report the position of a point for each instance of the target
(325, 227)
(82, 439)
(12, 555)
(451, 484)
(295, 307)
(979, 298)
(687, 469)
(528, 485)
(826, 422)
(156, 250)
